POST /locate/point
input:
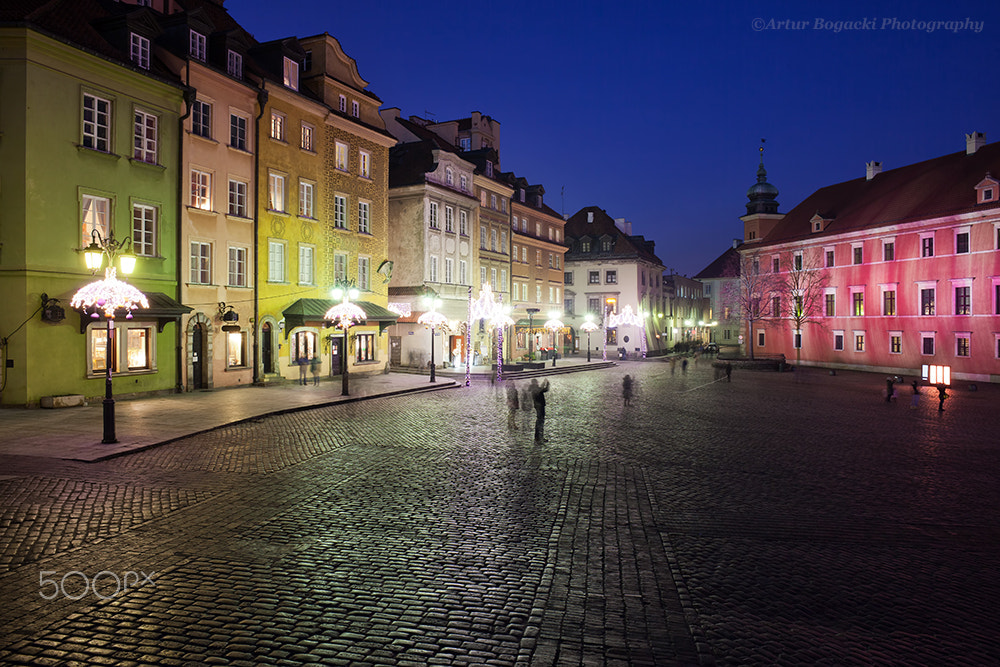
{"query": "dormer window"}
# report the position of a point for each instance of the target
(988, 190)
(449, 176)
(290, 71)
(355, 109)
(489, 168)
(140, 50)
(342, 104)
(465, 143)
(234, 64)
(198, 46)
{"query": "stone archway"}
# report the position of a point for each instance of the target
(268, 346)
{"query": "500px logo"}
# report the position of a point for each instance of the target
(100, 584)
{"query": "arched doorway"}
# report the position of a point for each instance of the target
(198, 361)
(267, 348)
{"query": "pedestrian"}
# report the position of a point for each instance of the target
(303, 363)
(729, 372)
(942, 394)
(673, 365)
(915, 399)
(512, 405)
(627, 389)
(314, 367)
(538, 399)
(684, 365)
(890, 390)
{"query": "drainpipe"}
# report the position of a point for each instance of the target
(261, 102)
(189, 97)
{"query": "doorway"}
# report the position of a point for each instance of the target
(198, 357)
(266, 348)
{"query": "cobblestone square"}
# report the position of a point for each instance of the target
(780, 519)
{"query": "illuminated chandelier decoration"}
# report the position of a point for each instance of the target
(486, 307)
(625, 318)
(433, 318)
(345, 313)
(589, 326)
(109, 295)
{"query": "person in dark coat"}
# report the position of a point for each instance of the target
(538, 399)
(512, 405)
(627, 389)
(942, 394)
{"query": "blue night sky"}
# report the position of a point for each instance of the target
(654, 111)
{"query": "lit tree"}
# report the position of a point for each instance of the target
(804, 284)
(749, 298)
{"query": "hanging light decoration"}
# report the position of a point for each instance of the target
(109, 295)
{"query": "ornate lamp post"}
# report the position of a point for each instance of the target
(554, 325)
(343, 315)
(432, 319)
(589, 327)
(109, 295)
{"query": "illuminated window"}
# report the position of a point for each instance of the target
(94, 215)
(895, 342)
(859, 341)
(858, 303)
(889, 302)
(962, 344)
(963, 300)
(201, 190)
(236, 349)
(364, 164)
(277, 126)
(137, 355)
(290, 74)
(927, 301)
(307, 137)
(340, 155)
(364, 347)
(303, 346)
(276, 192)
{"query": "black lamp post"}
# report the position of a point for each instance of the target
(531, 335)
(433, 319)
(343, 315)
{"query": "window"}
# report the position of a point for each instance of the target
(927, 343)
(963, 300)
(775, 265)
(201, 263)
(306, 198)
(238, 198)
(775, 306)
(838, 341)
(859, 341)
(858, 303)
(830, 303)
(538, 257)
(493, 202)
(276, 192)
(503, 280)
(237, 267)
(365, 347)
(140, 51)
(524, 254)
(234, 64)
(201, 119)
(503, 241)
(611, 277)
(961, 242)
(364, 218)
(760, 338)
(593, 277)
(432, 215)
(290, 74)
(482, 237)
(927, 301)
(797, 261)
(307, 254)
(307, 138)
(364, 274)
(962, 344)
(94, 215)
(137, 355)
(277, 126)
(889, 302)
(463, 223)
(238, 132)
(432, 269)
(96, 123)
(888, 251)
(198, 46)
(858, 255)
(340, 152)
(464, 183)
(144, 230)
(449, 270)
(236, 349)
(339, 267)
(538, 293)
(463, 272)
(606, 247)
(144, 145)
(364, 164)
(449, 219)
(514, 293)
(355, 109)
(201, 189)
(797, 339)
(568, 278)
(493, 240)
(895, 342)
(493, 279)
(340, 211)
(276, 261)
(926, 245)
(343, 104)
(449, 177)
(584, 246)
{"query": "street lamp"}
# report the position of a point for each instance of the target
(501, 320)
(589, 327)
(531, 335)
(343, 315)
(554, 325)
(109, 295)
(432, 319)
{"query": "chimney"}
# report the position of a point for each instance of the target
(974, 141)
(624, 225)
(872, 168)
(590, 216)
(737, 243)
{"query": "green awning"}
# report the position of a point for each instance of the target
(312, 312)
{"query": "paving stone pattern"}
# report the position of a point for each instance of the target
(781, 519)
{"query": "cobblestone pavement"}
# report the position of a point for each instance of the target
(781, 519)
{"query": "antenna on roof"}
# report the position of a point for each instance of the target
(429, 114)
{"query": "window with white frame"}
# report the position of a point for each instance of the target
(449, 270)
(888, 250)
(449, 219)
(307, 195)
(493, 278)
(238, 131)
(895, 342)
(503, 280)
(464, 183)
(137, 354)
(201, 263)
(238, 198)
(538, 293)
(201, 119)
(463, 272)
(524, 254)
(364, 347)
(94, 215)
(927, 339)
(198, 46)
(364, 273)
(611, 277)
(493, 239)
(857, 301)
(927, 298)
(290, 73)
(449, 176)
(962, 343)
(96, 123)
(859, 341)
(340, 155)
(364, 218)
(276, 261)
(514, 294)
(145, 137)
(307, 254)
(144, 230)
(432, 269)
(838, 341)
(236, 349)
(277, 125)
(201, 190)
(339, 267)
(139, 51)
(538, 257)
(340, 211)
(857, 253)
(355, 109)
(927, 245)
(276, 192)
(503, 241)
(237, 274)
(963, 296)
(482, 275)
(364, 164)
(432, 215)
(962, 241)
(234, 64)
(342, 105)
(307, 137)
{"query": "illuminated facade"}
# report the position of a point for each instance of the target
(910, 266)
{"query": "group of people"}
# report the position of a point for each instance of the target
(307, 364)
(533, 397)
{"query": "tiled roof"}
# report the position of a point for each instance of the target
(624, 246)
(726, 265)
(941, 186)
